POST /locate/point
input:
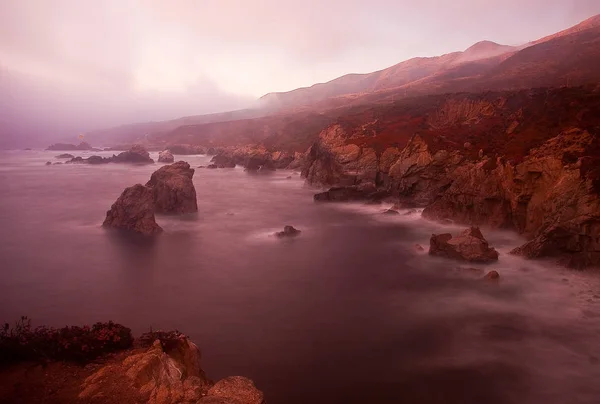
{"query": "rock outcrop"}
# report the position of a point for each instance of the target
(69, 147)
(169, 372)
(134, 211)
(223, 161)
(173, 189)
(288, 231)
(470, 245)
(551, 196)
(137, 154)
(166, 156)
(332, 160)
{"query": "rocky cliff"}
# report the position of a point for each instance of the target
(551, 197)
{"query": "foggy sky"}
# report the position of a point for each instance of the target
(74, 65)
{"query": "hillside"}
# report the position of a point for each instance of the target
(568, 58)
(398, 75)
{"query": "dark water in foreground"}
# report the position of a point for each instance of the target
(347, 312)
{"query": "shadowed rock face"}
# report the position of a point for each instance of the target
(134, 211)
(470, 245)
(173, 189)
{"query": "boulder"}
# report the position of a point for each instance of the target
(211, 166)
(470, 245)
(65, 156)
(137, 154)
(173, 189)
(492, 276)
(253, 163)
(233, 390)
(223, 161)
(134, 211)
(165, 156)
(288, 231)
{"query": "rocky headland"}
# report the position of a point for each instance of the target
(104, 364)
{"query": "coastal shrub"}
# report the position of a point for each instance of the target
(71, 343)
(168, 339)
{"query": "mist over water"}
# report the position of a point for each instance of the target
(347, 312)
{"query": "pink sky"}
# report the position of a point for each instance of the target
(117, 61)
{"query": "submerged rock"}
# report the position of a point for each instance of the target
(492, 276)
(65, 156)
(48, 163)
(470, 245)
(165, 156)
(288, 231)
(134, 211)
(173, 189)
(391, 212)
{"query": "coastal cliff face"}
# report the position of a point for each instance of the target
(550, 197)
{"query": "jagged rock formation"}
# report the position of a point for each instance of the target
(173, 189)
(134, 211)
(470, 245)
(545, 197)
(168, 372)
(165, 156)
(551, 196)
(331, 160)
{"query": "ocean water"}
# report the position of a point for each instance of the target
(349, 311)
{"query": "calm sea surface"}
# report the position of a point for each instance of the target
(347, 312)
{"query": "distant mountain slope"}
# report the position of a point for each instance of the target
(130, 132)
(400, 74)
(591, 22)
(568, 58)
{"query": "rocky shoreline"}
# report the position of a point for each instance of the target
(551, 197)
